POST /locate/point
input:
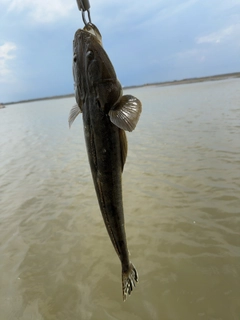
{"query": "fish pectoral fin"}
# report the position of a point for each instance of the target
(73, 114)
(125, 114)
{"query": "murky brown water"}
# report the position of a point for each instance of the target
(182, 209)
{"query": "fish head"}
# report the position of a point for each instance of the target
(93, 71)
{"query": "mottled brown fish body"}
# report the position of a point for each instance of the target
(106, 114)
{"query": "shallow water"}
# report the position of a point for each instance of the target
(181, 188)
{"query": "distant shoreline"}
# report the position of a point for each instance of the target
(165, 83)
(190, 80)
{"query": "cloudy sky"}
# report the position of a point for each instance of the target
(147, 41)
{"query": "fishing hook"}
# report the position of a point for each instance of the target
(84, 5)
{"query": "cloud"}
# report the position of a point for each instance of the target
(192, 54)
(42, 11)
(6, 54)
(219, 36)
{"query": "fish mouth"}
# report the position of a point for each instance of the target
(91, 28)
(90, 31)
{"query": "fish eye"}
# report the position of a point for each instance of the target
(90, 54)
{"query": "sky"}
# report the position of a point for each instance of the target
(147, 41)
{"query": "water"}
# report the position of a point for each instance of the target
(182, 209)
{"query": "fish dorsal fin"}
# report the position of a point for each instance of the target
(73, 114)
(125, 114)
(124, 146)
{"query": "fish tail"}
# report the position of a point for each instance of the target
(129, 279)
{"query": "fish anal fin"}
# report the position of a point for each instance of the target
(123, 145)
(126, 112)
(74, 112)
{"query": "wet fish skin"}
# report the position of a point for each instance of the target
(106, 114)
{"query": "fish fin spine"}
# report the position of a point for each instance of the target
(129, 280)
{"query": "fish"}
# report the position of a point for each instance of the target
(107, 114)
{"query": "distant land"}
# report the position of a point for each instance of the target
(165, 83)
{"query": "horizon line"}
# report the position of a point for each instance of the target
(163, 83)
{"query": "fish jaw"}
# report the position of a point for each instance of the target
(91, 28)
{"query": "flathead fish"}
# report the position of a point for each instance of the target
(106, 114)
